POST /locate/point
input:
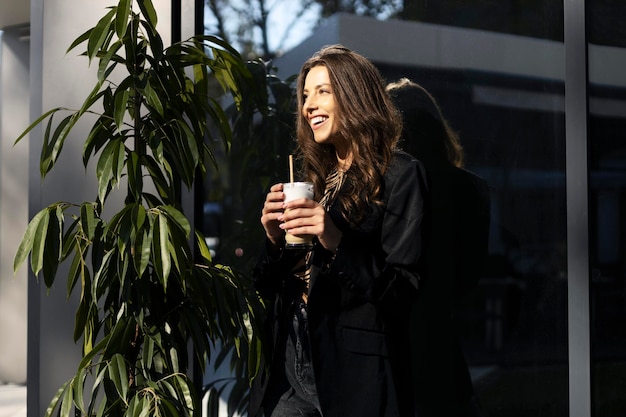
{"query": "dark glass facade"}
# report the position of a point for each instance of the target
(513, 327)
(524, 327)
(607, 205)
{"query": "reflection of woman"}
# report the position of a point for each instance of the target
(456, 242)
(338, 313)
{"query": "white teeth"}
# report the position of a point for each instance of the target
(317, 120)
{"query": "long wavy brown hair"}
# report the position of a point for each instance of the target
(368, 121)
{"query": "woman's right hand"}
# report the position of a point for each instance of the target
(272, 210)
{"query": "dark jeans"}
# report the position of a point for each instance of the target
(292, 392)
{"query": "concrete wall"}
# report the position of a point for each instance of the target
(14, 176)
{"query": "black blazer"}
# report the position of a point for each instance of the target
(358, 304)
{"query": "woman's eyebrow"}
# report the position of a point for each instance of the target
(317, 87)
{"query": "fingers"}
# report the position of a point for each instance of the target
(273, 200)
(307, 219)
(272, 211)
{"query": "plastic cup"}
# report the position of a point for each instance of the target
(294, 191)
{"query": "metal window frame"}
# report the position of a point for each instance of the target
(577, 200)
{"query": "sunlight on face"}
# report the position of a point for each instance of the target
(319, 105)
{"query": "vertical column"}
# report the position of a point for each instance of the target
(576, 111)
(14, 69)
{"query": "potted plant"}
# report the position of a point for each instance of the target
(148, 285)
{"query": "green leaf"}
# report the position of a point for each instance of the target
(154, 100)
(103, 65)
(159, 366)
(88, 356)
(52, 252)
(119, 159)
(185, 391)
(39, 244)
(119, 375)
(78, 387)
(91, 327)
(69, 239)
(148, 352)
(135, 175)
(121, 17)
(145, 249)
(146, 406)
(80, 319)
(36, 122)
(121, 103)
(99, 135)
(101, 373)
(99, 34)
(53, 144)
(88, 220)
(75, 272)
(174, 359)
(26, 245)
(108, 167)
(202, 246)
(68, 401)
(142, 239)
(147, 8)
(139, 216)
(163, 263)
(100, 277)
(221, 118)
(102, 408)
(179, 219)
(154, 39)
(82, 38)
(55, 400)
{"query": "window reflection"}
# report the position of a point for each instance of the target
(607, 198)
(509, 113)
(513, 327)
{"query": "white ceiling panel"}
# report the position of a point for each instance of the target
(14, 12)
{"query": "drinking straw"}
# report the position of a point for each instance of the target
(291, 168)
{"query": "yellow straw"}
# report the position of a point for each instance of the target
(291, 168)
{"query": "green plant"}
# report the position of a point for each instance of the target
(257, 159)
(147, 283)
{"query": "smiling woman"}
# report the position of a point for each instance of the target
(339, 310)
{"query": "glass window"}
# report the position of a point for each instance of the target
(497, 71)
(513, 327)
(607, 199)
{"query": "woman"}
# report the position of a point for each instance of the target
(457, 239)
(339, 311)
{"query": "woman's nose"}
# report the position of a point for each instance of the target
(309, 104)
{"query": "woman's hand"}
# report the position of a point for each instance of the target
(308, 217)
(272, 210)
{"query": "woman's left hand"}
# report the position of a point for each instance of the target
(308, 217)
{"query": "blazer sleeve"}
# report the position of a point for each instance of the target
(272, 275)
(387, 264)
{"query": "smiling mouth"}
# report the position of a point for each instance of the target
(317, 120)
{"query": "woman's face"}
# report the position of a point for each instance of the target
(319, 107)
